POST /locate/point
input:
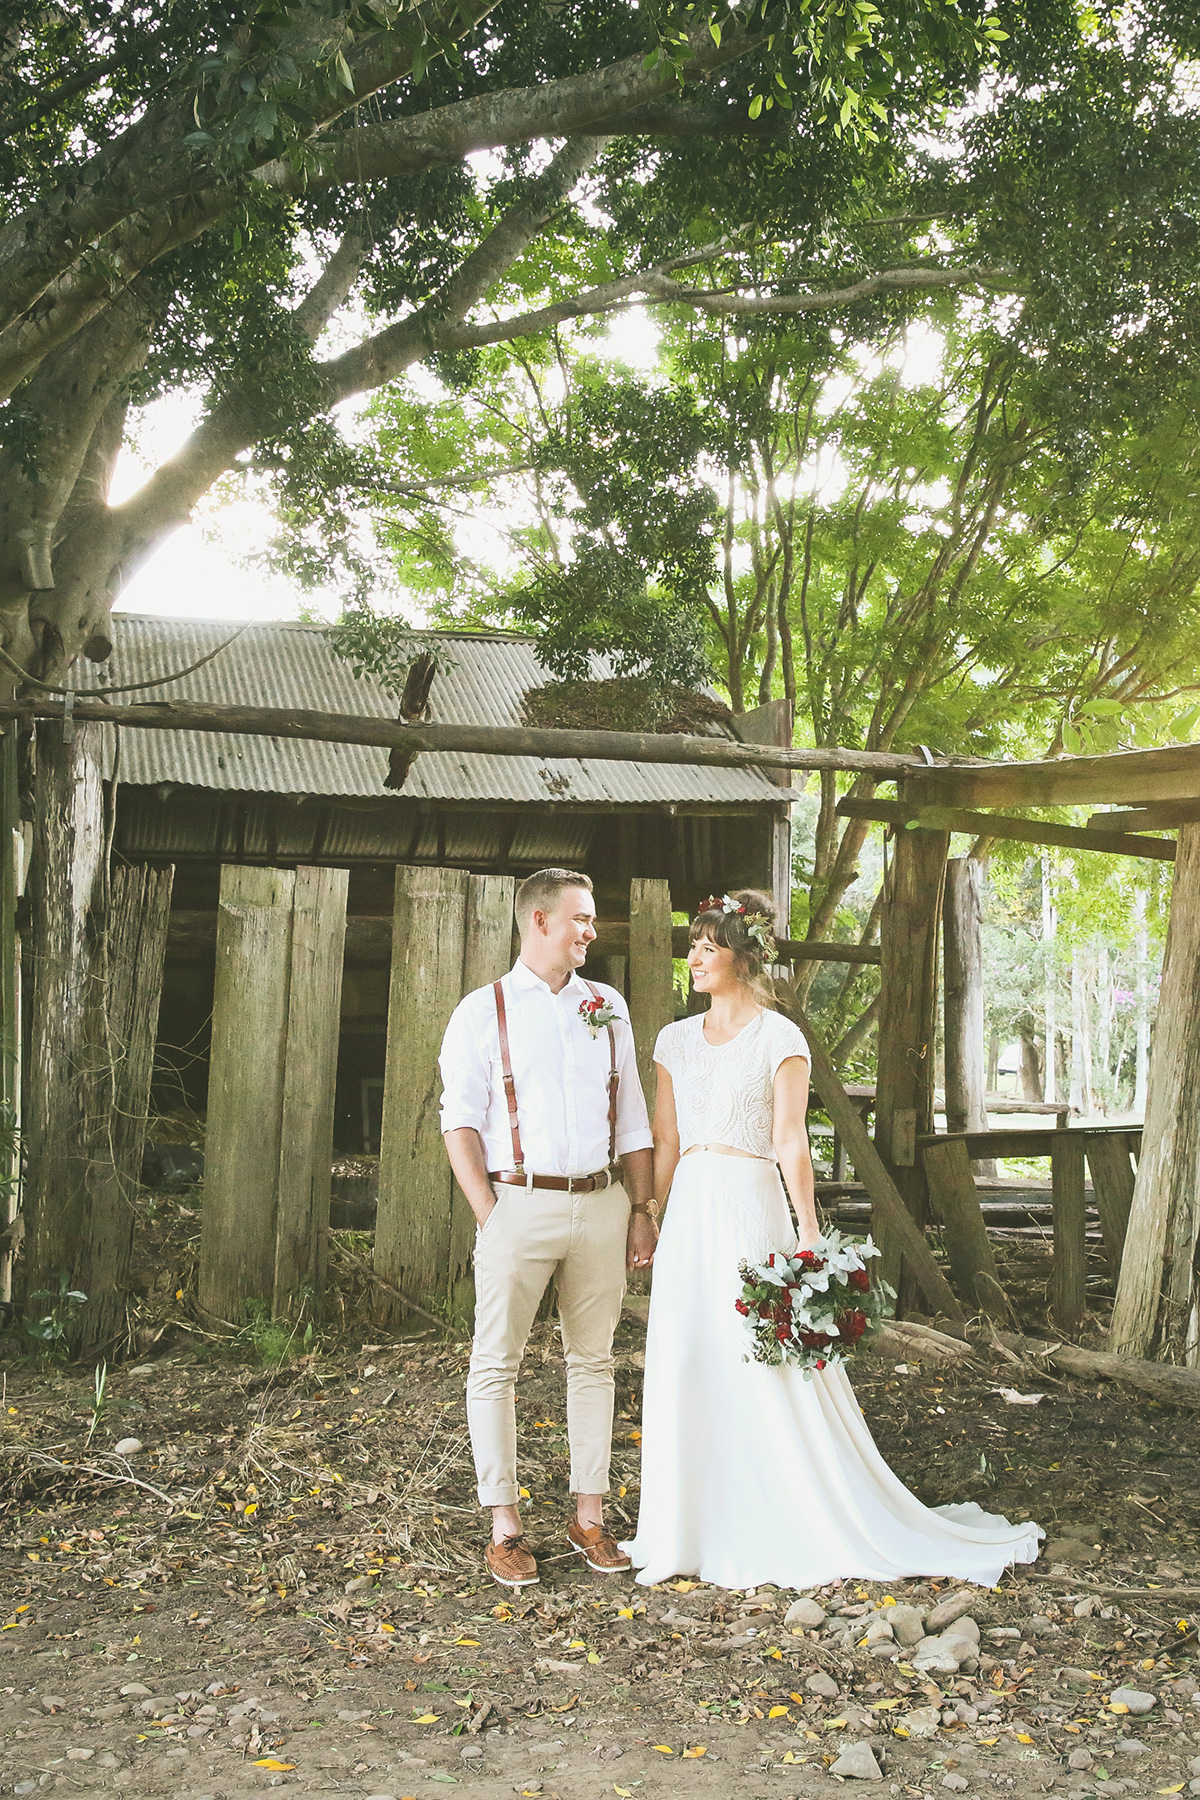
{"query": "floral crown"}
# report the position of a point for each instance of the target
(758, 925)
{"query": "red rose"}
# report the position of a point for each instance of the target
(820, 1364)
(859, 1280)
(742, 1308)
(783, 1333)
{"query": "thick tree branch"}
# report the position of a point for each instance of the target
(147, 165)
(661, 289)
(237, 421)
(445, 134)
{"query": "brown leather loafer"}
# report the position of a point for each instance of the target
(511, 1563)
(599, 1548)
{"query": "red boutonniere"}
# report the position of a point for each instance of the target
(596, 1013)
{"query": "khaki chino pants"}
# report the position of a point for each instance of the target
(534, 1235)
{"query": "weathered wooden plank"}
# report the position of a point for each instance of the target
(651, 994)
(887, 1202)
(1134, 777)
(412, 1233)
(65, 883)
(11, 853)
(1066, 1178)
(1021, 831)
(1162, 815)
(956, 1203)
(1156, 1300)
(309, 1083)
(907, 1020)
(245, 1090)
(1112, 1182)
(123, 1029)
(1032, 1140)
(486, 956)
(962, 919)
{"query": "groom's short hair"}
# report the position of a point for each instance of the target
(540, 891)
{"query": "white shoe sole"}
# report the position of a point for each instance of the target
(599, 1568)
(509, 1581)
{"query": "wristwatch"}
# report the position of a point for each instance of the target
(649, 1207)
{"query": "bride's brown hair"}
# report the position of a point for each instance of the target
(732, 930)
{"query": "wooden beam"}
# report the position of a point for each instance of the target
(1163, 815)
(492, 740)
(1134, 776)
(1070, 1250)
(1034, 1141)
(1023, 831)
(843, 1112)
(956, 1202)
(651, 990)
(963, 1001)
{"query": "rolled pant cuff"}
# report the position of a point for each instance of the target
(595, 1483)
(506, 1495)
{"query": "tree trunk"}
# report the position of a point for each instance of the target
(962, 916)
(1049, 986)
(1031, 1065)
(907, 1023)
(1142, 1005)
(651, 990)
(1156, 1305)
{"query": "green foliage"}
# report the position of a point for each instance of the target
(377, 644)
(50, 1330)
(275, 1341)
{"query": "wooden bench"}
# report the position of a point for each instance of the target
(1107, 1151)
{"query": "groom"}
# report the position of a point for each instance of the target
(546, 1130)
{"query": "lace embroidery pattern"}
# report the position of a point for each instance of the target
(724, 1093)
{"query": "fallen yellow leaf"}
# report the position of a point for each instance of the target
(271, 1762)
(995, 1740)
(1175, 1788)
(684, 1587)
(697, 1750)
(798, 1698)
(625, 1793)
(426, 1719)
(776, 1653)
(663, 1749)
(885, 1705)
(593, 1656)
(1117, 1706)
(472, 1643)
(780, 1712)
(902, 1731)
(835, 1724)
(1023, 1737)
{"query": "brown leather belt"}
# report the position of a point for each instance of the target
(565, 1184)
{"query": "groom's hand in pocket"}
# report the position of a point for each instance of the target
(642, 1241)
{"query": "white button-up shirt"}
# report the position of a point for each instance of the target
(560, 1072)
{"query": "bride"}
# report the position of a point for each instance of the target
(754, 1474)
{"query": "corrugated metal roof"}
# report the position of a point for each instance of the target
(482, 682)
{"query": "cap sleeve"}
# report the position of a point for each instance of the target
(662, 1048)
(785, 1040)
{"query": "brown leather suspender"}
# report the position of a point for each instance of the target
(510, 1086)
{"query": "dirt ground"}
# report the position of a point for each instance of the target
(283, 1586)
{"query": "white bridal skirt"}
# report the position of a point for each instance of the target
(753, 1474)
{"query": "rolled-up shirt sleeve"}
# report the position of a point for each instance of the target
(633, 1120)
(466, 1089)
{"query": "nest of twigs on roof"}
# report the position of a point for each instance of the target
(623, 703)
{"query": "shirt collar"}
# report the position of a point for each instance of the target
(522, 976)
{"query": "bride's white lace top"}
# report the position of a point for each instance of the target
(724, 1093)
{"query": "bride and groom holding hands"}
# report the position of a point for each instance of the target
(750, 1473)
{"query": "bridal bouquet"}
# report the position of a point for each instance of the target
(812, 1308)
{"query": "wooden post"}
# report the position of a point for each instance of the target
(956, 1202)
(907, 1020)
(122, 1031)
(11, 851)
(1112, 1184)
(887, 1203)
(1066, 1180)
(412, 1229)
(67, 861)
(310, 1079)
(651, 990)
(245, 1090)
(487, 954)
(962, 917)
(1156, 1305)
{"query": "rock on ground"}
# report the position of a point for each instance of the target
(857, 1763)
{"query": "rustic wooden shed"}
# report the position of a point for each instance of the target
(201, 802)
